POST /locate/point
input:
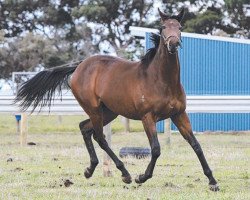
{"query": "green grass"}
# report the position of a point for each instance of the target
(39, 172)
(55, 124)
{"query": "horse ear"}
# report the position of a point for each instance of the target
(163, 15)
(179, 17)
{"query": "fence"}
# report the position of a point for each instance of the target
(65, 106)
(195, 104)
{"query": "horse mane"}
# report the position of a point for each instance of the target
(150, 54)
(155, 39)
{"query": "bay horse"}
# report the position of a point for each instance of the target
(105, 87)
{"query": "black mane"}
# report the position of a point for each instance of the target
(150, 54)
(155, 38)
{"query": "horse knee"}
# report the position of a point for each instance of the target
(156, 151)
(82, 125)
(94, 162)
(85, 130)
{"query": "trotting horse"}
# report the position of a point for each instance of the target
(149, 90)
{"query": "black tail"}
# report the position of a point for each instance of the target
(40, 90)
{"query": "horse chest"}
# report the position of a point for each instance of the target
(163, 103)
(168, 107)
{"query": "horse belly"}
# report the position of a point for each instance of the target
(124, 108)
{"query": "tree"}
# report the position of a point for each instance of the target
(24, 53)
(209, 17)
(239, 21)
(71, 30)
(43, 25)
(63, 31)
(112, 19)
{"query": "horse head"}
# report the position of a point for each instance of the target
(171, 30)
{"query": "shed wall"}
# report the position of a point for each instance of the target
(214, 67)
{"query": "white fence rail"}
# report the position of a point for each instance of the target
(218, 104)
(195, 104)
(68, 106)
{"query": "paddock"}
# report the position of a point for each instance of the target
(51, 165)
(41, 171)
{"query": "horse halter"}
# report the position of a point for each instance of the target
(167, 40)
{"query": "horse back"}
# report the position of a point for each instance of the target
(109, 80)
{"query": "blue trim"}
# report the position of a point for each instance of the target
(218, 122)
(160, 126)
(18, 117)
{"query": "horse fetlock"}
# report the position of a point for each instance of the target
(140, 179)
(94, 163)
(120, 165)
(88, 172)
(208, 173)
(127, 179)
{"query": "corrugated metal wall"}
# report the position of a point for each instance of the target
(212, 67)
(215, 67)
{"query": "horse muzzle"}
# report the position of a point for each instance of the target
(172, 49)
(172, 43)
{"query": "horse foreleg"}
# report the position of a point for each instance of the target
(97, 120)
(87, 131)
(183, 124)
(150, 128)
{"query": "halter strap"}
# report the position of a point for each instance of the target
(167, 38)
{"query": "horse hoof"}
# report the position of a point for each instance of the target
(139, 180)
(127, 179)
(214, 188)
(87, 173)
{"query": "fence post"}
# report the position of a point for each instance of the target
(127, 127)
(168, 130)
(23, 129)
(125, 122)
(18, 119)
(106, 159)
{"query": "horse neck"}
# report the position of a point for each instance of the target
(165, 66)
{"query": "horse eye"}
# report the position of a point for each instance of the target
(163, 27)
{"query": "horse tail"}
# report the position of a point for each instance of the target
(40, 90)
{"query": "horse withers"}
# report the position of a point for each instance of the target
(148, 90)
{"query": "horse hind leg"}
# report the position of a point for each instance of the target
(99, 119)
(87, 132)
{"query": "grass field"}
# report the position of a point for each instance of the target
(40, 171)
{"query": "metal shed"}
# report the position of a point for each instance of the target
(210, 66)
